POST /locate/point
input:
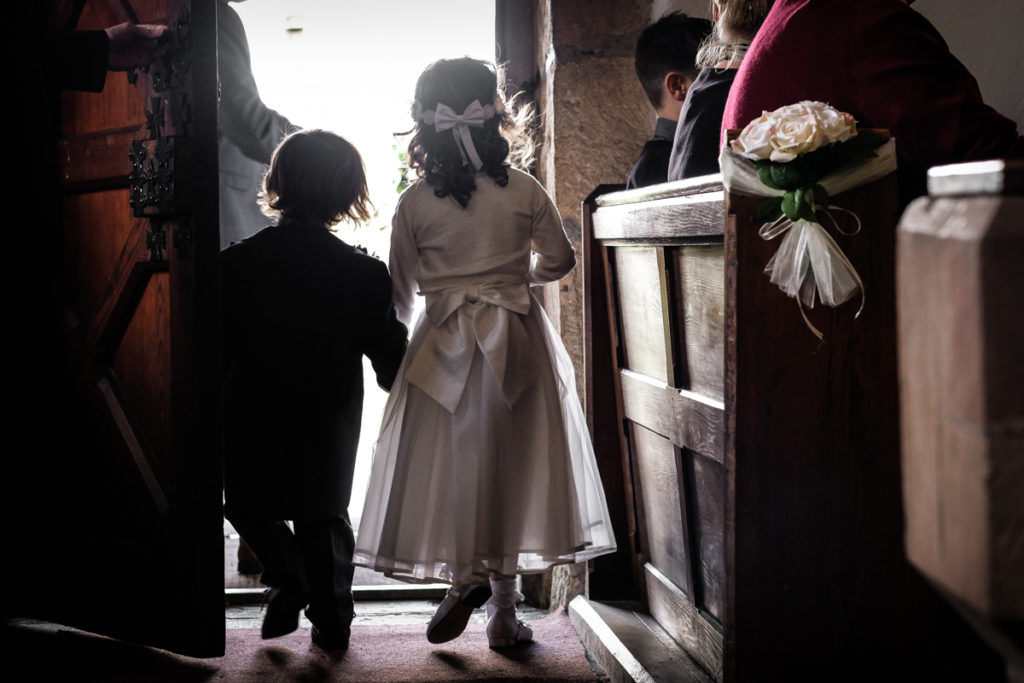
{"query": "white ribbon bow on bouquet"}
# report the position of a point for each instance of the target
(808, 261)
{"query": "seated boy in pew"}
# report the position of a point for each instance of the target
(665, 62)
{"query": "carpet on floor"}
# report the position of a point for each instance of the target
(377, 654)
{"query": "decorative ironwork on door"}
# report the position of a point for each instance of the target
(161, 167)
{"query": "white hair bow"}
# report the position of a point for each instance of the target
(445, 118)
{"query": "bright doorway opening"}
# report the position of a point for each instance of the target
(351, 68)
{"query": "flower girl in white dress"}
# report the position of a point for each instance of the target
(484, 467)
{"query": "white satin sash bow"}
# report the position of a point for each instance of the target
(464, 318)
(445, 118)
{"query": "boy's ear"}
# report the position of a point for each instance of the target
(676, 85)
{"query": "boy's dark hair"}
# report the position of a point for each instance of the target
(669, 44)
(316, 178)
(435, 156)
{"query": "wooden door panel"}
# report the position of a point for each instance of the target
(97, 160)
(664, 507)
(680, 617)
(141, 369)
(93, 240)
(120, 503)
(699, 312)
(705, 494)
(683, 494)
(119, 105)
(641, 285)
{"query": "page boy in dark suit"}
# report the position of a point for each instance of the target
(300, 310)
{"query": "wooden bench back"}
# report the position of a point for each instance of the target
(760, 467)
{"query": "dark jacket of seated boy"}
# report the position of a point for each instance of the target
(665, 62)
(300, 310)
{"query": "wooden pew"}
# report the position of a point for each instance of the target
(761, 467)
(961, 312)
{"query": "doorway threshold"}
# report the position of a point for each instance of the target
(410, 591)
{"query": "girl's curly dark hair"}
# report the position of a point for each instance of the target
(435, 157)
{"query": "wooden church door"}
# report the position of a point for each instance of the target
(126, 538)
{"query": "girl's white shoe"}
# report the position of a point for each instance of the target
(504, 629)
(453, 613)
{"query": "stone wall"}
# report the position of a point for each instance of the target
(595, 119)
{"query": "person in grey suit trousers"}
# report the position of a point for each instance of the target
(249, 130)
(300, 310)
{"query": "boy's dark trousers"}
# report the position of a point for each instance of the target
(315, 559)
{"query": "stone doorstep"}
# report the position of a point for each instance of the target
(402, 611)
(630, 645)
(427, 591)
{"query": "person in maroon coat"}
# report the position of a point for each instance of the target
(301, 308)
(885, 64)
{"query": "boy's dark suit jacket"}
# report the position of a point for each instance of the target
(300, 310)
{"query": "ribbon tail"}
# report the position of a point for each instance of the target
(807, 321)
(507, 348)
(770, 231)
(788, 268)
(440, 366)
(835, 276)
(466, 146)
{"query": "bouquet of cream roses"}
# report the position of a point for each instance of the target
(795, 157)
(794, 147)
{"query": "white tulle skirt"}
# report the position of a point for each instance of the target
(487, 488)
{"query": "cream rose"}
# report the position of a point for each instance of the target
(755, 142)
(835, 125)
(795, 134)
(795, 129)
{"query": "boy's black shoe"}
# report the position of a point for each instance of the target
(331, 642)
(283, 607)
(248, 563)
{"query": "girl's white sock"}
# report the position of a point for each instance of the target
(504, 595)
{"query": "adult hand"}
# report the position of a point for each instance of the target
(135, 45)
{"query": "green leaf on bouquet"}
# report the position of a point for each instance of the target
(787, 176)
(764, 173)
(797, 204)
(805, 200)
(790, 205)
(817, 196)
(768, 211)
(821, 162)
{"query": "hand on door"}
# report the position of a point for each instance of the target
(133, 46)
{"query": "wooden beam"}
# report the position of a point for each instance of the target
(98, 159)
(693, 421)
